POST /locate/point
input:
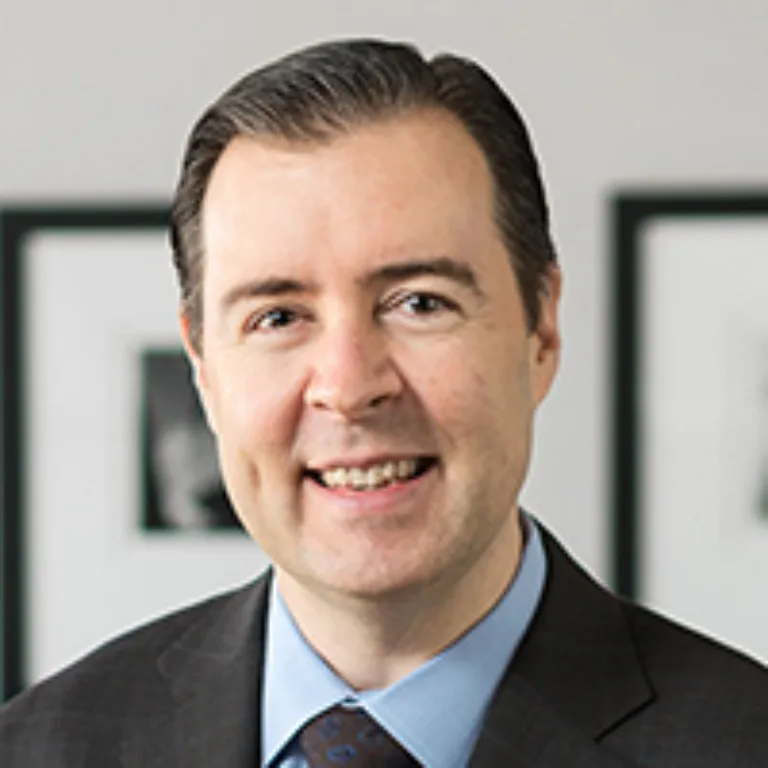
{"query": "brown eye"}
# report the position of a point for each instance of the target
(425, 303)
(273, 319)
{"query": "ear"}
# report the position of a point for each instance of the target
(545, 340)
(199, 369)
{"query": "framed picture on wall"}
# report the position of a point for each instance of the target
(690, 447)
(113, 510)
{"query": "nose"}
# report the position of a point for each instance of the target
(353, 372)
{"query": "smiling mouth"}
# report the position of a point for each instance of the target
(374, 476)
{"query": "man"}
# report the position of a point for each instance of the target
(369, 300)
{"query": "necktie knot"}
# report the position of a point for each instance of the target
(343, 737)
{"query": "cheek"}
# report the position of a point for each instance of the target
(478, 394)
(257, 403)
(454, 390)
(477, 373)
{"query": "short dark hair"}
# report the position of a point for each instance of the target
(322, 91)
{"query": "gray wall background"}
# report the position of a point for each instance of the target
(96, 99)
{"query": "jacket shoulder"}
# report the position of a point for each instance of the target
(679, 659)
(709, 701)
(650, 689)
(113, 686)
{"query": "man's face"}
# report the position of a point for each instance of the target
(365, 361)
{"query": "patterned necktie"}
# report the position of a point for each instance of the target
(349, 738)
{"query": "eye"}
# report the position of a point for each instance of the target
(422, 303)
(272, 319)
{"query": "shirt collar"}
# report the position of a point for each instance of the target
(298, 685)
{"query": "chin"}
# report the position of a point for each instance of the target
(367, 578)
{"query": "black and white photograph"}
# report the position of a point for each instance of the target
(745, 422)
(104, 443)
(761, 484)
(691, 408)
(181, 480)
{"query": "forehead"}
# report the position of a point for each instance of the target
(405, 182)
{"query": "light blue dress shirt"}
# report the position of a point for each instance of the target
(436, 712)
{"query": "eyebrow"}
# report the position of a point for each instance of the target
(457, 271)
(270, 287)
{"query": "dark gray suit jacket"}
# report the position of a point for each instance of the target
(597, 683)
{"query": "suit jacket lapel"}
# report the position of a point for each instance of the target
(574, 678)
(524, 731)
(210, 715)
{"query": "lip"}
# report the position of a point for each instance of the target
(390, 499)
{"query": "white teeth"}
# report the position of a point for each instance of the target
(375, 476)
(337, 477)
(357, 478)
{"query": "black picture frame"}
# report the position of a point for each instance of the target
(639, 221)
(22, 229)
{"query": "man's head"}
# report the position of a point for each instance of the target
(318, 93)
(366, 355)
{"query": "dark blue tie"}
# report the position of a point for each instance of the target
(349, 738)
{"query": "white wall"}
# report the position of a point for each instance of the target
(96, 99)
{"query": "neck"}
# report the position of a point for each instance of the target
(372, 642)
